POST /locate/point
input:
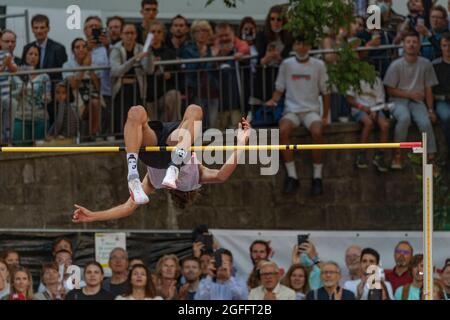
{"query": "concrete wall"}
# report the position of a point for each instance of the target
(38, 191)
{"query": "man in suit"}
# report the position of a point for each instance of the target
(52, 54)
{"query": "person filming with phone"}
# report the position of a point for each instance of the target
(221, 283)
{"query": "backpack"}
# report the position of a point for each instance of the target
(265, 116)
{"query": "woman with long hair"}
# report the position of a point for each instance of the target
(297, 279)
(21, 285)
(4, 279)
(142, 287)
(166, 276)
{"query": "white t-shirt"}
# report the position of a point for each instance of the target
(370, 96)
(303, 82)
(352, 285)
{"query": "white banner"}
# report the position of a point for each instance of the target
(104, 243)
(329, 245)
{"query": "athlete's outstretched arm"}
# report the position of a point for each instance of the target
(221, 175)
(124, 210)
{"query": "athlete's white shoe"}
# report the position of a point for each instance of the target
(136, 192)
(171, 177)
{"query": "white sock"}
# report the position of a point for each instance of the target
(317, 172)
(290, 167)
(132, 159)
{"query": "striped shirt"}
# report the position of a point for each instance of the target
(4, 81)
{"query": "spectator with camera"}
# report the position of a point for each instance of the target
(330, 275)
(166, 276)
(221, 283)
(431, 37)
(305, 254)
(118, 262)
(190, 269)
(409, 82)
(364, 288)
(296, 278)
(8, 41)
(412, 291)
(21, 285)
(93, 274)
(51, 280)
(400, 275)
(271, 288)
(442, 90)
(141, 285)
(85, 85)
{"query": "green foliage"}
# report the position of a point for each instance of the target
(349, 70)
(441, 194)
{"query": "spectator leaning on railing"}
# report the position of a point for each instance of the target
(35, 93)
(129, 69)
(164, 101)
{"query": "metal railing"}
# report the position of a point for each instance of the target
(226, 89)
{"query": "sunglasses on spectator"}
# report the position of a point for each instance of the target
(400, 251)
(276, 19)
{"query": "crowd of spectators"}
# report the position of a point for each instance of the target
(208, 273)
(413, 78)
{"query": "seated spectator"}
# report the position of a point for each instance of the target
(360, 288)
(190, 269)
(227, 44)
(304, 79)
(431, 37)
(271, 288)
(9, 40)
(353, 263)
(179, 34)
(273, 44)
(62, 243)
(129, 67)
(98, 45)
(297, 279)
(115, 25)
(253, 279)
(141, 285)
(118, 283)
(31, 114)
(5, 285)
(445, 279)
(442, 90)
(21, 285)
(399, 275)
(85, 85)
(93, 273)
(166, 276)
(201, 78)
(409, 81)
(50, 278)
(11, 258)
(164, 100)
(413, 291)
(66, 124)
(330, 275)
(221, 284)
(361, 103)
(149, 12)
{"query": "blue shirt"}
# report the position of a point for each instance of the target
(233, 289)
(100, 59)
